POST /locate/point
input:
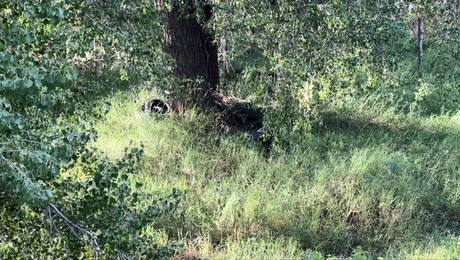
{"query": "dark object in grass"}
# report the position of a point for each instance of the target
(263, 139)
(241, 116)
(156, 106)
(258, 134)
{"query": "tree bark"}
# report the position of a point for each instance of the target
(193, 49)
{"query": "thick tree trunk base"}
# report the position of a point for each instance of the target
(195, 55)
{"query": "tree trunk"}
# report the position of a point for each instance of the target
(194, 50)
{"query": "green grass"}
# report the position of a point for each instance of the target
(370, 182)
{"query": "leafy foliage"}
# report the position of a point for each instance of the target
(325, 53)
(50, 54)
(306, 63)
(104, 211)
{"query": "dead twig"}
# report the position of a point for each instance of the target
(85, 234)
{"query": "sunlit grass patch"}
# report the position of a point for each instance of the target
(369, 181)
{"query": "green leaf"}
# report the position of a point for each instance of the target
(27, 83)
(49, 193)
(8, 83)
(29, 38)
(61, 13)
(19, 123)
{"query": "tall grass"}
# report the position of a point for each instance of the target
(369, 182)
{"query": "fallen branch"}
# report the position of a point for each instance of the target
(80, 231)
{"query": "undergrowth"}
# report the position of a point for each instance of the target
(369, 181)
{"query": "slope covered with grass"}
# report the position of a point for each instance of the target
(367, 182)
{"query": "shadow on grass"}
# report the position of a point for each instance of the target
(400, 136)
(430, 149)
(355, 126)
